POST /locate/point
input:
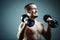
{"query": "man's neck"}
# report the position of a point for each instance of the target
(33, 19)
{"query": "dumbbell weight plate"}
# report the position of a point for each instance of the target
(30, 22)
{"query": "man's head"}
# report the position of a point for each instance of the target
(31, 10)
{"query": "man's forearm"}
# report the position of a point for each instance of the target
(48, 33)
(21, 36)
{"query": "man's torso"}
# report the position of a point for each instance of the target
(34, 32)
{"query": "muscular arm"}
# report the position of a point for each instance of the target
(47, 34)
(21, 30)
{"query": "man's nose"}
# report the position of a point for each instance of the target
(33, 10)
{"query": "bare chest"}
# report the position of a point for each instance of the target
(33, 33)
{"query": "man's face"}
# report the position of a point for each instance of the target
(32, 10)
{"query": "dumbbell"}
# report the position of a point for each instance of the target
(53, 23)
(28, 21)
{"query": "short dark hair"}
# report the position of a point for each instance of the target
(27, 6)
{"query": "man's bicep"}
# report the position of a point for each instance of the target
(47, 33)
(43, 31)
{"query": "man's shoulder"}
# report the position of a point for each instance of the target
(41, 24)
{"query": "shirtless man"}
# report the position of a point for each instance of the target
(33, 33)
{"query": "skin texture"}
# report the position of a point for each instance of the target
(33, 33)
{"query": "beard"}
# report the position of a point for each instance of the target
(34, 17)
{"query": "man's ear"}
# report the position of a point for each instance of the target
(26, 11)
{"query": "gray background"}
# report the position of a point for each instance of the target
(11, 11)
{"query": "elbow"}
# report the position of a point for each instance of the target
(17, 36)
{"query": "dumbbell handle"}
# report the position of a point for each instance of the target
(48, 18)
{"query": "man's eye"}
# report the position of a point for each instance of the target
(30, 11)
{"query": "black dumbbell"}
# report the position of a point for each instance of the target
(29, 22)
(53, 23)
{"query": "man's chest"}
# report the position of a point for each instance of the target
(33, 32)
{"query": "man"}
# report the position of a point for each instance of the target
(33, 33)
